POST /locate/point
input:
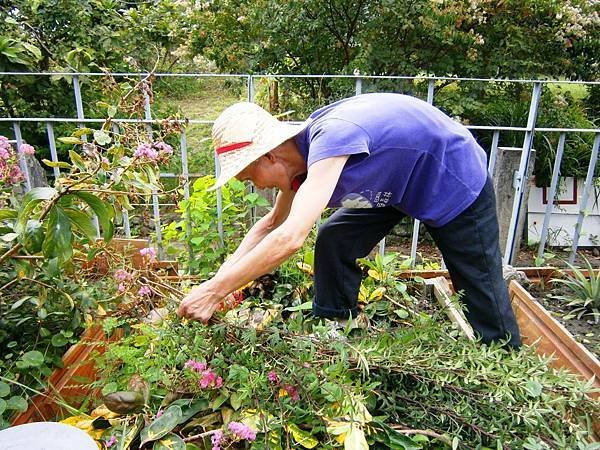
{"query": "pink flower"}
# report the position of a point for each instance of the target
(159, 413)
(210, 380)
(123, 275)
(4, 153)
(4, 142)
(273, 377)
(195, 365)
(306, 365)
(27, 149)
(13, 174)
(242, 431)
(146, 151)
(216, 439)
(149, 253)
(122, 288)
(145, 290)
(163, 148)
(105, 160)
(292, 392)
(112, 441)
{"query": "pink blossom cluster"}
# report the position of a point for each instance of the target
(148, 253)
(242, 431)
(292, 391)
(27, 149)
(9, 169)
(145, 290)
(164, 149)
(217, 439)
(152, 152)
(208, 378)
(123, 277)
(273, 377)
(110, 442)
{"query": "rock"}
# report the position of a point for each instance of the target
(156, 316)
(509, 273)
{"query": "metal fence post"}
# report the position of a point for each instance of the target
(186, 193)
(155, 205)
(81, 115)
(553, 186)
(219, 205)
(22, 160)
(52, 145)
(584, 198)
(358, 84)
(126, 224)
(251, 94)
(493, 153)
(79, 103)
(417, 222)
(522, 174)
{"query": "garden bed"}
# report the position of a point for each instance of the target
(307, 354)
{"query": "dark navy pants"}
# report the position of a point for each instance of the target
(469, 245)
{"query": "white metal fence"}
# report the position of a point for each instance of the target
(521, 179)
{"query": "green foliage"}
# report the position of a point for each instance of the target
(293, 382)
(48, 242)
(583, 291)
(482, 39)
(207, 246)
(507, 104)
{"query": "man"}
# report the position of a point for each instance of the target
(380, 157)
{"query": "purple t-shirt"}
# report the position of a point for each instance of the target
(404, 153)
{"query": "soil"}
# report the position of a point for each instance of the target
(585, 330)
(427, 252)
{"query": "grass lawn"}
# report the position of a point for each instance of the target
(198, 99)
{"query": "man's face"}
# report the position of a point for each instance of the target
(265, 172)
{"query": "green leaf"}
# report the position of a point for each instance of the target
(2, 406)
(70, 140)
(4, 389)
(101, 137)
(17, 304)
(59, 340)
(17, 403)
(33, 358)
(8, 214)
(77, 161)
(217, 402)
(58, 242)
(30, 200)
(169, 442)
(303, 307)
(109, 388)
(235, 400)
(161, 426)
(533, 388)
(111, 111)
(104, 213)
(59, 164)
(190, 407)
(82, 222)
(303, 438)
(355, 439)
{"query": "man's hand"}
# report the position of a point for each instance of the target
(201, 303)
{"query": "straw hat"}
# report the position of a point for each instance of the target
(243, 133)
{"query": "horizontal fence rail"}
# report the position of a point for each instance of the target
(521, 179)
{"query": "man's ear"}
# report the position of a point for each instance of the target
(269, 156)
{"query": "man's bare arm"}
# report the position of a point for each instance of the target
(262, 227)
(310, 200)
